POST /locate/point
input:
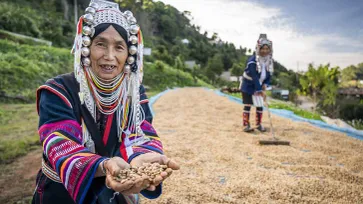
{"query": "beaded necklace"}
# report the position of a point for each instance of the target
(107, 94)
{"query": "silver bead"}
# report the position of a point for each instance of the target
(88, 18)
(131, 20)
(139, 131)
(127, 69)
(132, 50)
(130, 60)
(85, 51)
(92, 31)
(94, 5)
(87, 30)
(134, 29)
(86, 41)
(128, 13)
(90, 10)
(86, 61)
(133, 39)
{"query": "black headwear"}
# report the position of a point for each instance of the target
(102, 27)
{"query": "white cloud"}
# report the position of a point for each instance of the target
(241, 22)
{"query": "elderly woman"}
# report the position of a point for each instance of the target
(256, 78)
(96, 122)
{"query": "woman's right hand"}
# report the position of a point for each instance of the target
(259, 93)
(113, 168)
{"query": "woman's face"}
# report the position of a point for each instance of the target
(109, 52)
(264, 51)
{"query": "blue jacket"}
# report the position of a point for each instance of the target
(251, 78)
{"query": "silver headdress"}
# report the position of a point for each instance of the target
(128, 111)
(262, 40)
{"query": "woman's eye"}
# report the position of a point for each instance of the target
(120, 47)
(101, 44)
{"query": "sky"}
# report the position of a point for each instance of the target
(302, 31)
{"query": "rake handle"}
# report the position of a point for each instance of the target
(269, 117)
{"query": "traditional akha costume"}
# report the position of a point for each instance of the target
(256, 75)
(84, 121)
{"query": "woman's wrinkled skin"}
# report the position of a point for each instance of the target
(109, 52)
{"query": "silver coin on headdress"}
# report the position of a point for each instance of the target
(90, 10)
(128, 13)
(131, 20)
(86, 41)
(88, 18)
(133, 39)
(87, 30)
(94, 5)
(134, 29)
(130, 60)
(86, 61)
(85, 51)
(132, 50)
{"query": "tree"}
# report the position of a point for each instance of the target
(215, 64)
(179, 63)
(214, 36)
(161, 53)
(285, 80)
(329, 92)
(237, 70)
(211, 75)
(352, 73)
(321, 84)
(195, 73)
(349, 73)
(249, 51)
(180, 49)
(214, 67)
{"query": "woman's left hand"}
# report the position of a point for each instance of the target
(156, 158)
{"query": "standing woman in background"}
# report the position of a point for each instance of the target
(255, 80)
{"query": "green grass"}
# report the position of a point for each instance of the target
(160, 76)
(238, 95)
(18, 130)
(23, 68)
(152, 93)
(277, 104)
(20, 39)
(298, 111)
(268, 93)
(357, 124)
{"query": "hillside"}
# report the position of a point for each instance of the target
(164, 27)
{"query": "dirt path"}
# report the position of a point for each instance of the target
(17, 180)
(221, 164)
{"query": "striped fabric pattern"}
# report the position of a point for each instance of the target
(153, 145)
(74, 164)
(61, 137)
(69, 127)
(58, 93)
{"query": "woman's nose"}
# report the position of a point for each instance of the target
(109, 54)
